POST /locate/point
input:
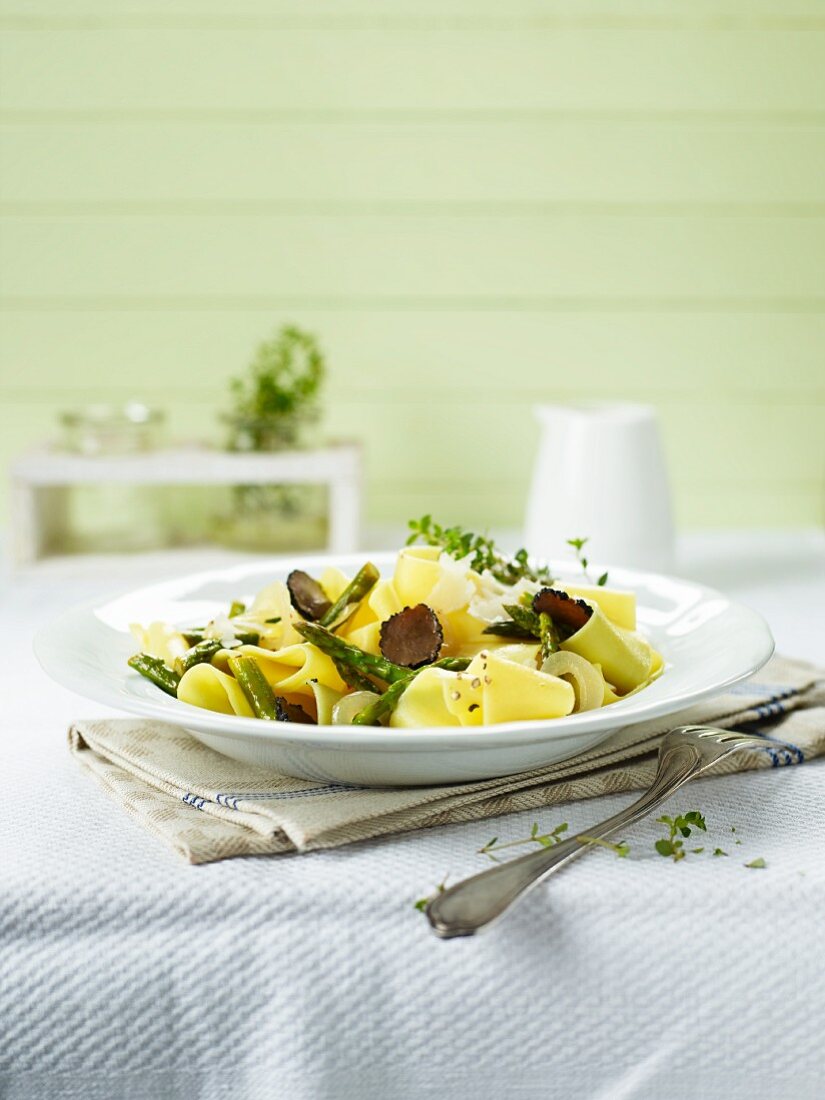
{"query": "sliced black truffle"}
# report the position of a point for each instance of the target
(291, 712)
(307, 595)
(566, 612)
(413, 637)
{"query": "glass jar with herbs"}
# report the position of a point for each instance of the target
(275, 407)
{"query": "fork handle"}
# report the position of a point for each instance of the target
(467, 907)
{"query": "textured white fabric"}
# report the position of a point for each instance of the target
(124, 972)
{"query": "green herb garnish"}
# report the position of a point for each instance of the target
(757, 864)
(545, 840)
(681, 826)
(622, 849)
(422, 903)
(459, 543)
(579, 545)
(719, 852)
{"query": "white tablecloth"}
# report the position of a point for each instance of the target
(125, 973)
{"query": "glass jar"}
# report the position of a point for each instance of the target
(273, 518)
(106, 516)
(111, 429)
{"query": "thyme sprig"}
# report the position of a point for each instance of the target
(622, 849)
(579, 545)
(670, 846)
(422, 903)
(682, 826)
(459, 543)
(544, 840)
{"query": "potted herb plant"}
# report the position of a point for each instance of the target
(272, 406)
(278, 396)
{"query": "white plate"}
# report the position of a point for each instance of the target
(709, 642)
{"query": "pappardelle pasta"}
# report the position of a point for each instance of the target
(443, 640)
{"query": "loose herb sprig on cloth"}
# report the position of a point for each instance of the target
(672, 845)
(545, 840)
(622, 849)
(458, 543)
(422, 903)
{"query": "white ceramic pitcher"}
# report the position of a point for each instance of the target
(600, 474)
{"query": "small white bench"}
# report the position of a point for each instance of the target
(337, 466)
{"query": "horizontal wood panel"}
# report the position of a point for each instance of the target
(234, 165)
(570, 257)
(728, 357)
(560, 68)
(422, 440)
(356, 14)
(719, 11)
(743, 505)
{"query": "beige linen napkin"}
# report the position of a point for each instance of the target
(209, 807)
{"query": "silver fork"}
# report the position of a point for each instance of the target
(685, 752)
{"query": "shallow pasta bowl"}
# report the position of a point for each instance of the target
(709, 643)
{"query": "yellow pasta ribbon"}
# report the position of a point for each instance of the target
(333, 581)
(292, 669)
(515, 693)
(325, 700)
(272, 602)
(367, 637)
(625, 658)
(618, 604)
(463, 634)
(159, 640)
(381, 602)
(206, 686)
(423, 701)
(417, 572)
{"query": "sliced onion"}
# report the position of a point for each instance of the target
(346, 708)
(587, 681)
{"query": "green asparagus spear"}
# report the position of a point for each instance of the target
(352, 677)
(196, 634)
(526, 618)
(452, 664)
(507, 628)
(352, 595)
(365, 663)
(155, 670)
(198, 654)
(523, 623)
(236, 608)
(255, 687)
(549, 636)
(385, 704)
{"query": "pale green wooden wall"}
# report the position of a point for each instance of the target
(476, 205)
